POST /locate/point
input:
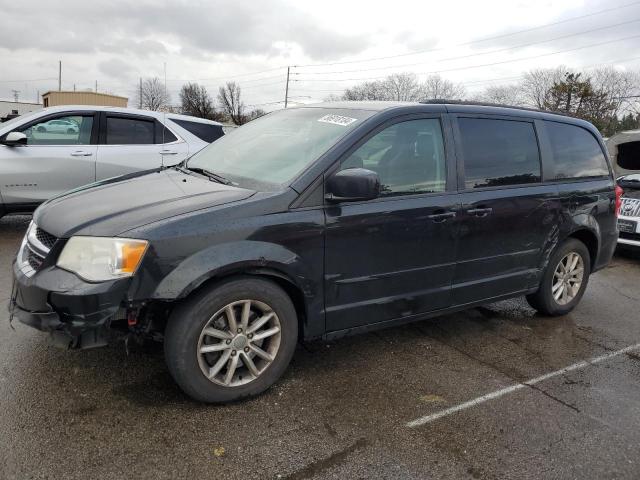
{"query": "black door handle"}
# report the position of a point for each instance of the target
(480, 212)
(441, 217)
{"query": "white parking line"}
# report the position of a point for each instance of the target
(504, 391)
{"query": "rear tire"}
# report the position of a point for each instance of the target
(564, 280)
(225, 321)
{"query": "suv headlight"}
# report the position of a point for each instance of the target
(99, 259)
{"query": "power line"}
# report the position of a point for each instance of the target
(471, 42)
(226, 77)
(29, 80)
(532, 57)
(524, 45)
(262, 85)
(583, 67)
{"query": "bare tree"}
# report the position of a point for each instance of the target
(503, 95)
(621, 89)
(332, 97)
(152, 95)
(367, 91)
(255, 113)
(536, 85)
(231, 103)
(436, 87)
(405, 87)
(196, 101)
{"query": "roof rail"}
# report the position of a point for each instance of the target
(488, 104)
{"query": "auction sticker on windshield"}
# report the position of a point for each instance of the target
(337, 120)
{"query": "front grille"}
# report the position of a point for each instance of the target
(45, 238)
(33, 259)
(35, 248)
(630, 207)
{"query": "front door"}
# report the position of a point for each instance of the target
(506, 214)
(394, 256)
(59, 156)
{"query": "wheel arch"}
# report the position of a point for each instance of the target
(254, 259)
(590, 240)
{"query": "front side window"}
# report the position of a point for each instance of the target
(575, 151)
(499, 152)
(408, 158)
(129, 131)
(272, 150)
(65, 130)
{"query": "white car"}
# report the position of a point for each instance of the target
(47, 152)
(58, 126)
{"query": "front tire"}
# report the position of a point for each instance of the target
(564, 280)
(231, 341)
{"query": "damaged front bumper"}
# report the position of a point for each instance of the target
(77, 314)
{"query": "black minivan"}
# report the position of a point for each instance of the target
(317, 222)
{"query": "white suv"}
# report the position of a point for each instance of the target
(47, 152)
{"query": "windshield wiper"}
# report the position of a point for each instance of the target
(212, 176)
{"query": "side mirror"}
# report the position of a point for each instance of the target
(13, 139)
(352, 185)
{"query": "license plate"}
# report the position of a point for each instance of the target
(627, 226)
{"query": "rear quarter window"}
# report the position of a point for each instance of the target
(204, 131)
(576, 152)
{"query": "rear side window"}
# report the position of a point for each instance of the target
(499, 152)
(576, 152)
(129, 131)
(204, 131)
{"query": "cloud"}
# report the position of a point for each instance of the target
(142, 28)
(114, 67)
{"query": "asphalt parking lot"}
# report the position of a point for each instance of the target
(480, 394)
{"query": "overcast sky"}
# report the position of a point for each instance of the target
(116, 42)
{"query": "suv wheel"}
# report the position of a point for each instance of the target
(231, 341)
(564, 280)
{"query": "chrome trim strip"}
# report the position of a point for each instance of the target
(626, 241)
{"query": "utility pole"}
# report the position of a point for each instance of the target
(286, 91)
(140, 106)
(96, 86)
(59, 75)
(165, 87)
(74, 87)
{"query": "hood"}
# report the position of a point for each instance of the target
(116, 205)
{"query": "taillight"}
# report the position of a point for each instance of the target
(619, 192)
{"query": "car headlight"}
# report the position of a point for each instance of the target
(99, 259)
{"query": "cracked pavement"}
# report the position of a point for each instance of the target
(341, 409)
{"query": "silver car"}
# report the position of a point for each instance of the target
(47, 152)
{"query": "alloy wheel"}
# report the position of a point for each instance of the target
(239, 342)
(567, 278)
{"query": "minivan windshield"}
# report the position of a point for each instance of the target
(270, 151)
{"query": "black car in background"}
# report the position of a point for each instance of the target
(322, 221)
